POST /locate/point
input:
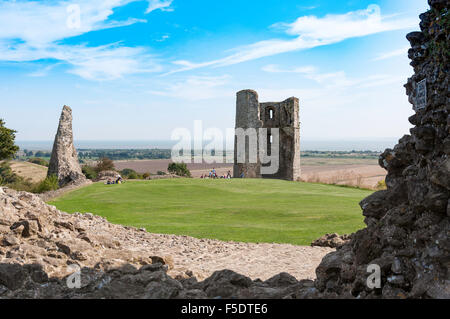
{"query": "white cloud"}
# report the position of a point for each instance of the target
(163, 5)
(32, 31)
(197, 88)
(42, 22)
(163, 38)
(337, 79)
(392, 54)
(310, 32)
(43, 71)
(307, 7)
(310, 72)
(334, 28)
(109, 62)
(272, 68)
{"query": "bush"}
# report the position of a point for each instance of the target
(179, 169)
(133, 176)
(89, 172)
(7, 176)
(105, 164)
(49, 184)
(129, 173)
(7, 147)
(161, 173)
(23, 185)
(38, 161)
(145, 175)
(10, 179)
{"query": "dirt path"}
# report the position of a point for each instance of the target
(204, 256)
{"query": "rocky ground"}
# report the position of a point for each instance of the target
(331, 240)
(40, 248)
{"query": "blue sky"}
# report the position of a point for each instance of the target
(136, 70)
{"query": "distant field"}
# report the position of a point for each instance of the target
(247, 210)
(26, 170)
(324, 161)
(361, 172)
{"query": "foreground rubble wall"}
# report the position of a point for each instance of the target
(46, 253)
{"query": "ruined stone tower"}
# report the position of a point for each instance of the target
(259, 123)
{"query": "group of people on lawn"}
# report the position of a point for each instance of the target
(213, 175)
(119, 180)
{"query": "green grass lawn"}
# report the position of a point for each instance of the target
(248, 210)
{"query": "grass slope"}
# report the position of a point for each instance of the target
(248, 210)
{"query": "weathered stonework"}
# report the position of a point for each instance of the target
(408, 225)
(270, 115)
(64, 160)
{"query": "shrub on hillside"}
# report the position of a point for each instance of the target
(145, 175)
(89, 171)
(38, 161)
(49, 184)
(10, 179)
(105, 164)
(23, 186)
(161, 173)
(129, 173)
(134, 176)
(179, 169)
(7, 176)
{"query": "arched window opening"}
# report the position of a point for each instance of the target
(269, 143)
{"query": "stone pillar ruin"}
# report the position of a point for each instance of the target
(253, 116)
(64, 159)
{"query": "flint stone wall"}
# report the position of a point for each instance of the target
(408, 224)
